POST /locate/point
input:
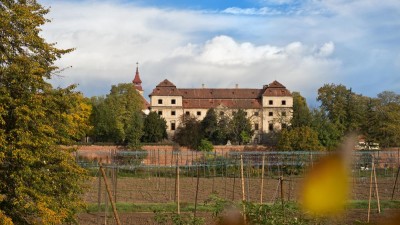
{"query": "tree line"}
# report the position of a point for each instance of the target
(342, 111)
(117, 118)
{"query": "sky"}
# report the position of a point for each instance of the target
(303, 44)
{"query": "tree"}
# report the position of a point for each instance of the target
(134, 131)
(221, 135)
(189, 133)
(240, 128)
(334, 101)
(301, 112)
(114, 115)
(328, 135)
(209, 126)
(299, 138)
(40, 183)
(155, 128)
(388, 115)
(205, 146)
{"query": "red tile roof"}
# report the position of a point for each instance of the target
(241, 98)
(276, 89)
(228, 93)
(214, 103)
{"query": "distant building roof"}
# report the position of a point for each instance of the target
(245, 98)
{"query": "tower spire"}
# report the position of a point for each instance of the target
(137, 82)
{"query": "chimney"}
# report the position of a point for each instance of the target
(202, 85)
(237, 86)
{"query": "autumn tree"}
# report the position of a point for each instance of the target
(40, 183)
(155, 128)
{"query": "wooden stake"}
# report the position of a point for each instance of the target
(110, 196)
(243, 196)
(281, 184)
(370, 193)
(395, 182)
(197, 192)
(177, 185)
(262, 180)
(376, 189)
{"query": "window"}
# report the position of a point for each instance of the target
(283, 102)
(256, 126)
(198, 113)
(270, 113)
(283, 113)
(160, 113)
(159, 101)
(256, 113)
(284, 125)
(221, 113)
(270, 102)
(173, 101)
(245, 113)
(172, 125)
(173, 113)
(270, 127)
(187, 113)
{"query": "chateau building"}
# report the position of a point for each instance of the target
(268, 108)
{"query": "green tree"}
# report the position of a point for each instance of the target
(189, 133)
(240, 128)
(134, 131)
(334, 101)
(388, 115)
(301, 112)
(299, 138)
(205, 146)
(209, 126)
(114, 115)
(155, 128)
(221, 135)
(40, 183)
(328, 135)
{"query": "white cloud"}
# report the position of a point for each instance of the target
(303, 48)
(251, 11)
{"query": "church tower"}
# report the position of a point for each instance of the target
(137, 82)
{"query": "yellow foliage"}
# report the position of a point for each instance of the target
(326, 186)
(5, 220)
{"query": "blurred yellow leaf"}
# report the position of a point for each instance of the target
(326, 186)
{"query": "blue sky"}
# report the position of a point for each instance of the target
(302, 44)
